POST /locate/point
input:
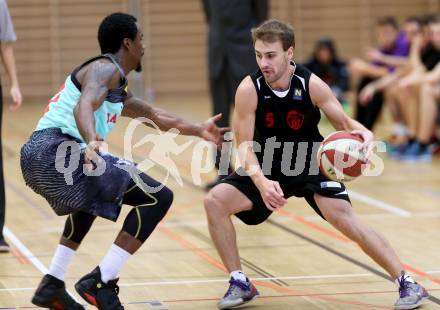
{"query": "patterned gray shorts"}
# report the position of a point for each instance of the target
(42, 160)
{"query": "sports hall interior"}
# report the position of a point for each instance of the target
(298, 261)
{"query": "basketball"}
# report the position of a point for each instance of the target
(339, 156)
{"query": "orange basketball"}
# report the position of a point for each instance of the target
(339, 156)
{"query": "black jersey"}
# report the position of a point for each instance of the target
(292, 118)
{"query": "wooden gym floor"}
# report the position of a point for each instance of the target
(296, 259)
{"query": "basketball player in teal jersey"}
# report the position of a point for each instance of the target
(76, 121)
(281, 102)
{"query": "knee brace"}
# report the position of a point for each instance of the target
(77, 226)
(148, 210)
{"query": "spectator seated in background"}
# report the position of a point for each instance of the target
(425, 78)
(389, 82)
(393, 48)
(327, 66)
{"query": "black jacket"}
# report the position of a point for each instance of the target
(229, 39)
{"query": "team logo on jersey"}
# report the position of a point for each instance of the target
(295, 119)
(297, 94)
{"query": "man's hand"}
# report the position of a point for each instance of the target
(367, 145)
(357, 66)
(16, 98)
(374, 54)
(272, 194)
(366, 94)
(91, 153)
(210, 132)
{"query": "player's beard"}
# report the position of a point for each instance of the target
(282, 69)
(139, 67)
(277, 74)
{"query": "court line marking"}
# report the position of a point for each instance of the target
(280, 289)
(416, 271)
(155, 303)
(351, 259)
(390, 205)
(28, 254)
(298, 295)
(378, 204)
(39, 261)
(223, 280)
(214, 262)
(333, 233)
(152, 283)
(17, 289)
(24, 250)
(8, 233)
(203, 223)
(384, 215)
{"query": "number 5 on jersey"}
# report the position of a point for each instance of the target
(269, 120)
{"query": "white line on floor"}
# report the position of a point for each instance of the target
(180, 282)
(27, 253)
(257, 279)
(24, 250)
(378, 204)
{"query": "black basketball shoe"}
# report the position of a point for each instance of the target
(52, 294)
(102, 295)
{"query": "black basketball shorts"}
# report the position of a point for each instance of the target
(299, 186)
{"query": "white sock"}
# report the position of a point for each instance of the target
(60, 261)
(406, 277)
(399, 129)
(112, 263)
(238, 275)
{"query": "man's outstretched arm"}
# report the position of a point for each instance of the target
(135, 107)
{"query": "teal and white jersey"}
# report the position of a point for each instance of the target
(59, 112)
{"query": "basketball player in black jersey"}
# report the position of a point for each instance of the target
(279, 108)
